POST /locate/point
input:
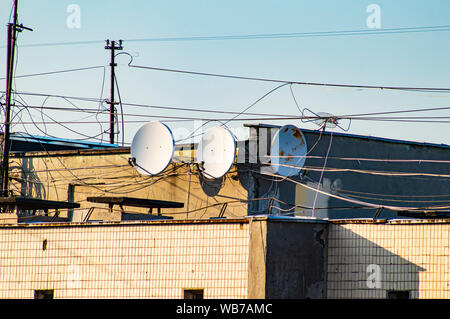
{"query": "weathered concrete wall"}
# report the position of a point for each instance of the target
(357, 168)
(296, 260)
(396, 183)
(257, 259)
(287, 258)
(76, 175)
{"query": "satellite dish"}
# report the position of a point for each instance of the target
(329, 119)
(216, 152)
(152, 148)
(288, 151)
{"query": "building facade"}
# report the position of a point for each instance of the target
(343, 176)
(254, 257)
(249, 234)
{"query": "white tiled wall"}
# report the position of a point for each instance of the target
(158, 260)
(410, 256)
(125, 261)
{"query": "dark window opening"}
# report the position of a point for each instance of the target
(43, 294)
(193, 293)
(398, 294)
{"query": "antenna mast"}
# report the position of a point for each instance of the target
(111, 45)
(11, 38)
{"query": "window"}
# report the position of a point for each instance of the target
(193, 293)
(398, 294)
(43, 294)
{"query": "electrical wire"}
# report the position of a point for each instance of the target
(359, 159)
(266, 115)
(208, 120)
(383, 173)
(240, 113)
(317, 208)
(363, 203)
(314, 34)
(67, 99)
(56, 72)
(86, 99)
(325, 120)
(337, 85)
(121, 110)
(377, 197)
(62, 124)
(321, 173)
(209, 109)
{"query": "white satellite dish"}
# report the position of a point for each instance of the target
(288, 151)
(216, 152)
(152, 148)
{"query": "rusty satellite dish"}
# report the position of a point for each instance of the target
(288, 151)
(216, 152)
(152, 148)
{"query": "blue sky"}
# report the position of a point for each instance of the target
(407, 59)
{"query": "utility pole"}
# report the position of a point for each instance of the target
(111, 45)
(12, 28)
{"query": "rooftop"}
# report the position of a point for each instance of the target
(367, 137)
(22, 142)
(241, 220)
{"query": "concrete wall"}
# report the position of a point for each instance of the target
(411, 183)
(377, 182)
(76, 175)
(287, 258)
(295, 261)
(257, 259)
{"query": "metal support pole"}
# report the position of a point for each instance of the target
(6, 135)
(9, 77)
(113, 47)
(111, 106)
(12, 28)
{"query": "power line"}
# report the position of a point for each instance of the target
(296, 34)
(236, 77)
(266, 117)
(360, 32)
(355, 201)
(86, 99)
(401, 111)
(362, 159)
(209, 109)
(57, 72)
